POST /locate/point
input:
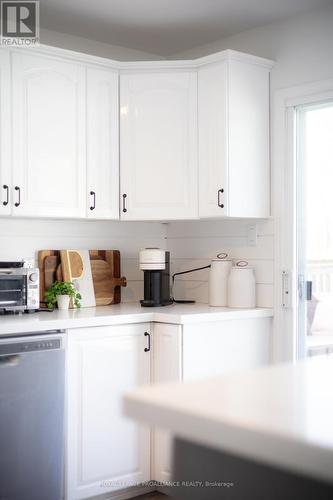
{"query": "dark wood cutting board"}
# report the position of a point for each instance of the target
(105, 267)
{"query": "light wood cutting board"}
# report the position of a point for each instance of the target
(105, 269)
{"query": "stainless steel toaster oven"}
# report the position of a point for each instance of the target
(19, 287)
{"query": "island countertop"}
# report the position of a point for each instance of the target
(280, 415)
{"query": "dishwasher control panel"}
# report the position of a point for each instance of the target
(30, 346)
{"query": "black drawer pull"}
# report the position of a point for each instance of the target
(7, 194)
(219, 202)
(93, 206)
(18, 203)
(124, 202)
(147, 349)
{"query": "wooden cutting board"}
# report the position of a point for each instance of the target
(42, 255)
(105, 271)
(71, 264)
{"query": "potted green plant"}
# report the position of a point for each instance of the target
(61, 292)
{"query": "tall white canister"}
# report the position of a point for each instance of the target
(242, 286)
(218, 280)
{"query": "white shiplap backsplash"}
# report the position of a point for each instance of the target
(195, 243)
(191, 243)
(20, 238)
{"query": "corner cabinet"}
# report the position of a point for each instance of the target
(200, 350)
(105, 451)
(234, 158)
(158, 145)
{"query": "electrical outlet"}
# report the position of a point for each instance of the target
(252, 236)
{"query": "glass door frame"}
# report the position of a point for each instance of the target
(285, 157)
(301, 239)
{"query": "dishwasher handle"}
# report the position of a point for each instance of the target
(11, 360)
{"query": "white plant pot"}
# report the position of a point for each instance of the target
(63, 302)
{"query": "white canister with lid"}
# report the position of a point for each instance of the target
(242, 286)
(218, 280)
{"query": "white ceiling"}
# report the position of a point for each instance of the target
(164, 27)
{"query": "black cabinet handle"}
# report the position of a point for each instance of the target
(93, 206)
(7, 197)
(124, 202)
(219, 202)
(147, 349)
(18, 203)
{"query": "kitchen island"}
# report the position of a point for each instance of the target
(265, 434)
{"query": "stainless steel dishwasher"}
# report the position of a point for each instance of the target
(32, 374)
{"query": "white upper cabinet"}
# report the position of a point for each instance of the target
(102, 144)
(158, 145)
(5, 127)
(183, 140)
(49, 154)
(234, 163)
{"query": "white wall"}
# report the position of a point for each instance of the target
(79, 44)
(302, 47)
(22, 238)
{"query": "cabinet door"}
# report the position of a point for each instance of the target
(167, 367)
(248, 116)
(49, 139)
(105, 450)
(102, 144)
(5, 134)
(158, 146)
(224, 347)
(213, 147)
(234, 168)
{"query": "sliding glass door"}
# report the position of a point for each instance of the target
(314, 242)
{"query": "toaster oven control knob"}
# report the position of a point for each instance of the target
(33, 277)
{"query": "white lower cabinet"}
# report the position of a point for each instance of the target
(167, 367)
(105, 452)
(200, 350)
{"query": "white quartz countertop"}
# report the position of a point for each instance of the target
(121, 314)
(280, 415)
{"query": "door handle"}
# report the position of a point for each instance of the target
(147, 349)
(124, 202)
(308, 290)
(6, 188)
(93, 206)
(18, 203)
(219, 202)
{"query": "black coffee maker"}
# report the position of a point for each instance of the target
(155, 264)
